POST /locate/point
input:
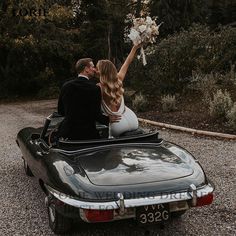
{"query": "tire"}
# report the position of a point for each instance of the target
(28, 171)
(58, 223)
(177, 214)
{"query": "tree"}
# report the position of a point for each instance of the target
(36, 51)
(177, 14)
(221, 12)
(103, 21)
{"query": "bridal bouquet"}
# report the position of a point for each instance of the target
(144, 31)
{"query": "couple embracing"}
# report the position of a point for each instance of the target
(83, 103)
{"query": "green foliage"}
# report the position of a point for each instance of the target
(221, 12)
(129, 96)
(207, 84)
(168, 103)
(36, 53)
(204, 84)
(102, 28)
(172, 62)
(140, 102)
(178, 14)
(220, 105)
(231, 116)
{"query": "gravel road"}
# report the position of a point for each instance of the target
(22, 210)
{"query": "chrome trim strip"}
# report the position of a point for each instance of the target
(67, 152)
(164, 198)
(81, 204)
(205, 190)
(193, 190)
(121, 203)
(94, 141)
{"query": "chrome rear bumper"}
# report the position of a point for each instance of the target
(122, 203)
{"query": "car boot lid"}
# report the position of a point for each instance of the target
(136, 164)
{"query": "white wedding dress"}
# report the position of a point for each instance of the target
(128, 122)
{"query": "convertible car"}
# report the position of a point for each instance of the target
(137, 175)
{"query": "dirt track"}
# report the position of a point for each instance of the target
(22, 210)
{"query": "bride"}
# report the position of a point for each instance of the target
(111, 84)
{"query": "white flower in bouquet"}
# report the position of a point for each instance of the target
(144, 31)
(135, 36)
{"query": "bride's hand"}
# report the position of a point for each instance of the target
(138, 46)
(114, 118)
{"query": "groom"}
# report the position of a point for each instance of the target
(80, 103)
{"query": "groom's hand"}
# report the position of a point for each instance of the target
(114, 118)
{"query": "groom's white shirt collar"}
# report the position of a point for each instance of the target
(79, 75)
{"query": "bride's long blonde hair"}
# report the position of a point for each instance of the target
(111, 84)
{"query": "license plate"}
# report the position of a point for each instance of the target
(152, 214)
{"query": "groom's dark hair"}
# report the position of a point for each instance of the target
(81, 64)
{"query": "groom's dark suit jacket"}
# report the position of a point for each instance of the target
(80, 103)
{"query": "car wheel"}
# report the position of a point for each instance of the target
(28, 171)
(57, 222)
(177, 213)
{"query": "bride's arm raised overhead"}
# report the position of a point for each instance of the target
(123, 70)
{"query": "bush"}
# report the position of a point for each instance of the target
(49, 92)
(203, 83)
(221, 104)
(129, 96)
(140, 102)
(231, 116)
(36, 53)
(232, 74)
(168, 103)
(28, 66)
(170, 64)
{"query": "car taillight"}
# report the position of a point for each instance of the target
(205, 200)
(99, 215)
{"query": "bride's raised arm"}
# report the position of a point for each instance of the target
(123, 70)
